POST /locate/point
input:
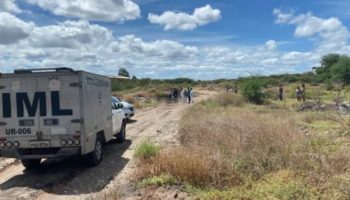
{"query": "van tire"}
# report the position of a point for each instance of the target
(94, 158)
(31, 163)
(121, 134)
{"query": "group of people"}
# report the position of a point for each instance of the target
(182, 94)
(300, 93)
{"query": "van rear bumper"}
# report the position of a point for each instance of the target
(40, 153)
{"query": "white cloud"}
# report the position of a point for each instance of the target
(282, 17)
(159, 48)
(70, 34)
(95, 10)
(331, 35)
(13, 29)
(86, 46)
(271, 45)
(9, 6)
(183, 21)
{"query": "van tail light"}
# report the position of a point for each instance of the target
(76, 136)
(2, 139)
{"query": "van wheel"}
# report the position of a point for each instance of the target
(31, 164)
(121, 134)
(94, 158)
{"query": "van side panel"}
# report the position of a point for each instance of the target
(63, 93)
(97, 109)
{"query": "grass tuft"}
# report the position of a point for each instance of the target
(157, 181)
(146, 150)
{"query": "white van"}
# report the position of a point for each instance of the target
(57, 112)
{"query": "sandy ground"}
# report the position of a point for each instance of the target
(71, 179)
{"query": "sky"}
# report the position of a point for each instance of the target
(199, 39)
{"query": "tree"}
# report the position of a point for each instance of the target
(324, 72)
(123, 72)
(340, 71)
(252, 91)
(334, 68)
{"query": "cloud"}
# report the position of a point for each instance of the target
(94, 10)
(13, 29)
(9, 6)
(183, 21)
(159, 48)
(86, 46)
(282, 17)
(271, 45)
(70, 34)
(331, 35)
(83, 45)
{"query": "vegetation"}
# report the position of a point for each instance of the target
(326, 83)
(146, 150)
(334, 67)
(157, 181)
(232, 148)
(224, 100)
(244, 151)
(119, 85)
(123, 72)
(252, 91)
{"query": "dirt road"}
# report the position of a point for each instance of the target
(70, 179)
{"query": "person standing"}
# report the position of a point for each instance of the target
(280, 92)
(182, 94)
(298, 94)
(175, 93)
(236, 89)
(303, 92)
(190, 95)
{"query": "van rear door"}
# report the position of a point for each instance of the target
(20, 109)
(39, 110)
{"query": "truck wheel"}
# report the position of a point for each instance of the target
(31, 164)
(95, 157)
(121, 134)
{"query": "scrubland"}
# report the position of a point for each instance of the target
(231, 149)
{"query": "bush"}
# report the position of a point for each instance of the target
(252, 91)
(146, 150)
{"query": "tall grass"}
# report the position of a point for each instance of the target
(229, 147)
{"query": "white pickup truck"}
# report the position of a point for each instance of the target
(57, 112)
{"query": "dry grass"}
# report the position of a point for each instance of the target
(230, 147)
(309, 117)
(190, 166)
(256, 144)
(229, 99)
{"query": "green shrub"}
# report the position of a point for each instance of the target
(252, 91)
(147, 150)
